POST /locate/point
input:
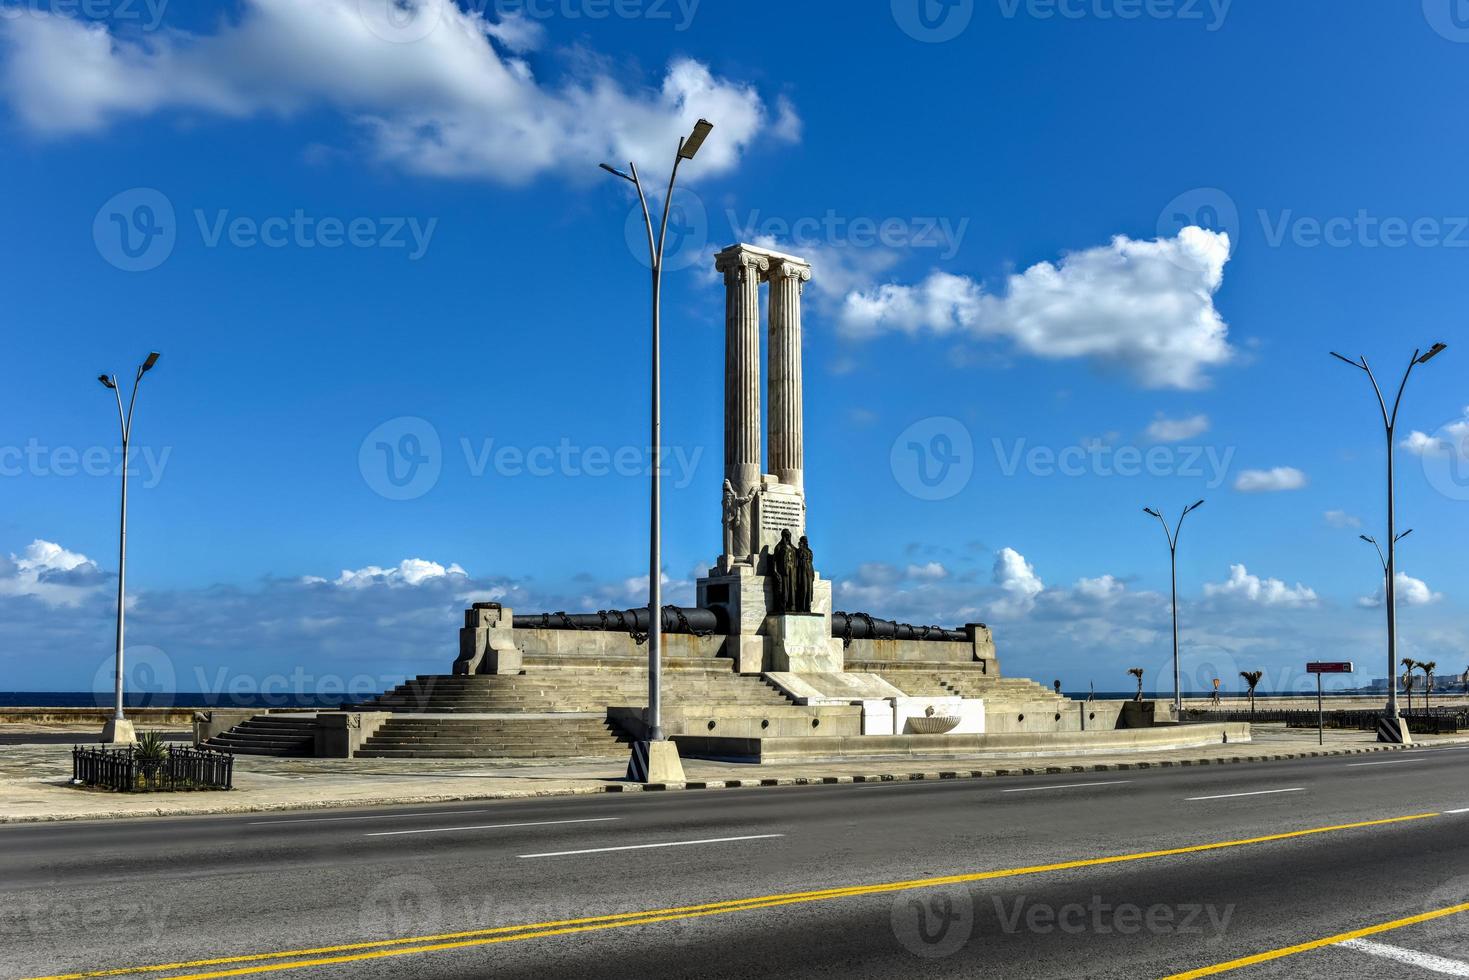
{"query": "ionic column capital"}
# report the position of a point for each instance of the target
(789, 269)
(739, 263)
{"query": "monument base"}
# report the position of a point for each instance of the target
(654, 762)
(1393, 730)
(119, 731)
(801, 643)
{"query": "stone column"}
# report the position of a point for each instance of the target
(743, 270)
(787, 277)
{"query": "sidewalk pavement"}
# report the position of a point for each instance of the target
(34, 777)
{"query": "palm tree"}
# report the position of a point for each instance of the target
(1252, 678)
(1427, 666)
(1408, 664)
(1138, 673)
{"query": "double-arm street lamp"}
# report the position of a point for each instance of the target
(118, 728)
(1172, 536)
(1392, 728)
(643, 752)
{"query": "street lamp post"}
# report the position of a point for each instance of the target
(1392, 728)
(1173, 575)
(118, 728)
(656, 755)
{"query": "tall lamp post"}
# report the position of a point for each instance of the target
(118, 728)
(1392, 728)
(1173, 576)
(656, 759)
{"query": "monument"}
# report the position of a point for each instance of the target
(777, 605)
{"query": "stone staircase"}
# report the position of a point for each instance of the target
(936, 679)
(573, 686)
(557, 709)
(269, 734)
(526, 736)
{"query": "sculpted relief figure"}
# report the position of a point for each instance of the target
(737, 542)
(783, 567)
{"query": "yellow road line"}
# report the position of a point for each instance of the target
(482, 937)
(1276, 954)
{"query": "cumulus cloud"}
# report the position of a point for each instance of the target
(1102, 587)
(52, 574)
(1251, 588)
(434, 88)
(1163, 429)
(408, 572)
(932, 571)
(1270, 481)
(1453, 437)
(1410, 592)
(1340, 518)
(1142, 308)
(1018, 581)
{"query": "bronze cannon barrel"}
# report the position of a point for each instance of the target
(676, 619)
(860, 626)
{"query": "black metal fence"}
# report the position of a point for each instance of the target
(1439, 721)
(124, 770)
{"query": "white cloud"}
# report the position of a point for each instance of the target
(1016, 577)
(1144, 308)
(928, 572)
(1270, 481)
(1340, 518)
(1252, 588)
(1454, 435)
(1410, 592)
(51, 573)
(1102, 587)
(458, 101)
(1164, 429)
(409, 572)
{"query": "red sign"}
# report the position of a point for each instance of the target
(1329, 667)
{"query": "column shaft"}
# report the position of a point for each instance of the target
(786, 441)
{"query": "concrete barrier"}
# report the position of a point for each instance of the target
(814, 748)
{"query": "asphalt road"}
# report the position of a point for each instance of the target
(817, 881)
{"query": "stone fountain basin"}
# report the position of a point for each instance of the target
(932, 724)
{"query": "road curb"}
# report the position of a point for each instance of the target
(841, 779)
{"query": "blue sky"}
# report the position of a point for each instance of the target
(343, 218)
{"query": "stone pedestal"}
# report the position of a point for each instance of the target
(801, 643)
(655, 762)
(487, 641)
(119, 731)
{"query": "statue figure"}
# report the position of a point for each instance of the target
(805, 577)
(736, 522)
(783, 566)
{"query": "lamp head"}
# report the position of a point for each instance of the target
(696, 139)
(1403, 535)
(1432, 352)
(615, 172)
(1367, 539)
(1149, 510)
(1194, 506)
(148, 364)
(1345, 360)
(106, 381)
